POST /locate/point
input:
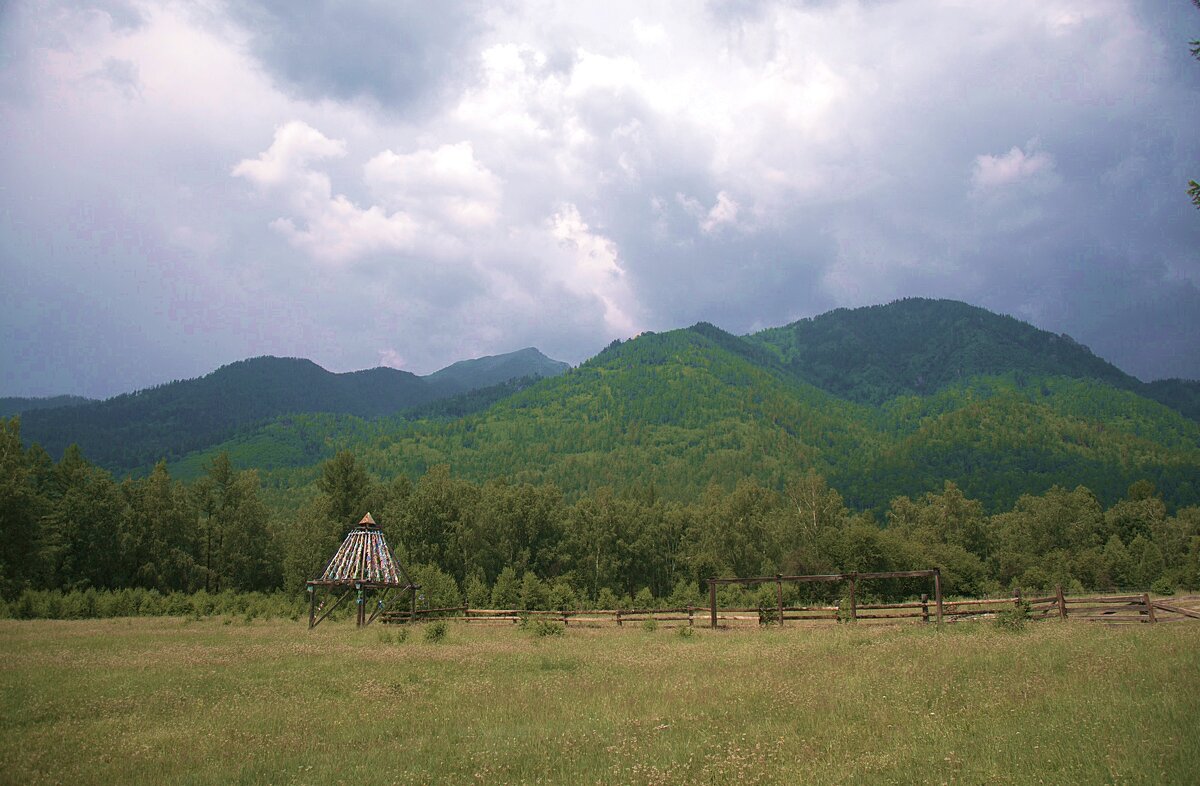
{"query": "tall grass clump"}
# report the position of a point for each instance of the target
(435, 632)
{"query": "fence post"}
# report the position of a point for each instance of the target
(925, 607)
(779, 596)
(1017, 597)
(312, 605)
(937, 592)
(853, 599)
(1062, 602)
(618, 618)
(1149, 608)
(564, 612)
(690, 608)
(712, 601)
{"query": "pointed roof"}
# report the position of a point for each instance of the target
(365, 557)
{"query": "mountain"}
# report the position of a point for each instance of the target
(678, 412)
(467, 375)
(134, 430)
(1181, 395)
(918, 347)
(16, 405)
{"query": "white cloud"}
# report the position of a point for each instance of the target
(591, 267)
(1015, 166)
(334, 229)
(448, 183)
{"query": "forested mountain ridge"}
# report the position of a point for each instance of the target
(918, 346)
(169, 421)
(14, 405)
(468, 375)
(679, 411)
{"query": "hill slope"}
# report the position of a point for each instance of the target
(679, 411)
(467, 375)
(918, 347)
(16, 405)
(169, 421)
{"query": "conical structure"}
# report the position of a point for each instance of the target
(365, 558)
(363, 564)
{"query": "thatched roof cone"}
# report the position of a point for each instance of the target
(365, 557)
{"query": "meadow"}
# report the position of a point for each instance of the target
(170, 700)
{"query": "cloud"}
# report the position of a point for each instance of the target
(1015, 166)
(398, 53)
(448, 183)
(591, 267)
(481, 178)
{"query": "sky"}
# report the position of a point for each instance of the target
(409, 184)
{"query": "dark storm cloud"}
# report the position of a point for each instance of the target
(402, 53)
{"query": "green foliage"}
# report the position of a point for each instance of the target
(435, 632)
(687, 633)
(649, 624)
(542, 628)
(1013, 618)
(1163, 586)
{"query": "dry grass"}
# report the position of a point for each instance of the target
(165, 701)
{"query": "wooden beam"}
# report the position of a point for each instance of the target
(937, 592)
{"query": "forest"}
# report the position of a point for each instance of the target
(918, 434)
(71, 528)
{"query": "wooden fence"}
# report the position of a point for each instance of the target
(1113, 609)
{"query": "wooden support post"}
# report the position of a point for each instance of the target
(779, 596)
(618, 618)
(1062, 603)
(413, 616)
(937, 592)
(1149, 607)
(712, 601)
(564, 613)
(1017, 597)
(361, 606)
(691, 608)
(853, 599)
(925, 608)
(312, 606)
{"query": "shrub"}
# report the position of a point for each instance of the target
(650, 625)
(1163, 586)
(543, 627)
(435, 632)
(768, 615)
(402, 635)
(686, 633)
(1014, 617)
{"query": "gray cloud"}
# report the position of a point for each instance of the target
(401, 53)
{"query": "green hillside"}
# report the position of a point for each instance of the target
(467, 375)
(130, 432)
(678, 411)
(15, 405)
(918, 347)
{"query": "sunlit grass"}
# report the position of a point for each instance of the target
(168, 701)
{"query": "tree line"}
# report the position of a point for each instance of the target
(70, 526)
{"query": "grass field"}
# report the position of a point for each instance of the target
(171, 701)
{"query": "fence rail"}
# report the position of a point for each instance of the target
(1109, 609)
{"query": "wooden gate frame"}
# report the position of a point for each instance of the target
(853, 578)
